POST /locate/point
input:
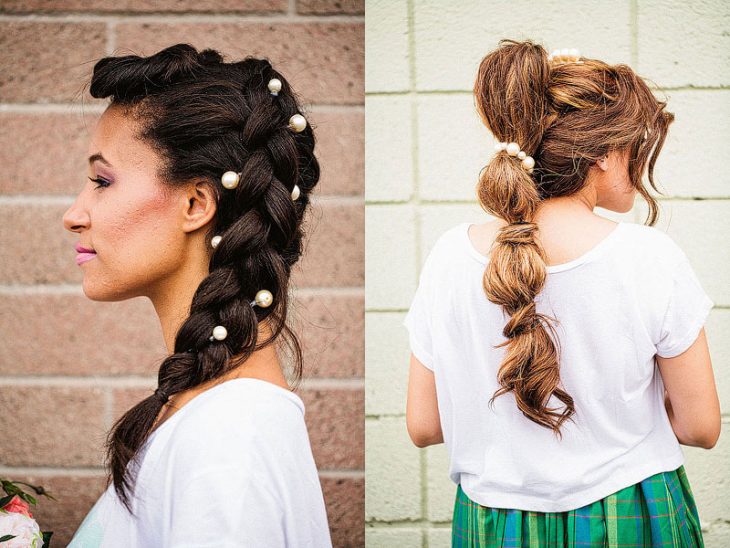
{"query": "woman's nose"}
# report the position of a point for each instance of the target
(76, 217)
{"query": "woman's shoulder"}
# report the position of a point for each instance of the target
(653, 245)
(237, 412)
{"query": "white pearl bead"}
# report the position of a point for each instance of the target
(513, 149)
(521, 154)
(274, 86)
(297, 123)
(574, 52)
(219, 332)
(215, 241)
(498, 147)
(295, 193)
(264, 298)
(502, 146)
(230, 179)
(528, 162)
(565, 52)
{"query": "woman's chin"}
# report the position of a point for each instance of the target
(101, 293)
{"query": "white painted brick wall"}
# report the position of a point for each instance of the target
(425, 146)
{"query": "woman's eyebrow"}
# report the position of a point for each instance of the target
(98, 156)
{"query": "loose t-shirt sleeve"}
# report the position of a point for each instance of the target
(418, 318)
(686, 312)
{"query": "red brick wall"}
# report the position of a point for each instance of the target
(70, 366)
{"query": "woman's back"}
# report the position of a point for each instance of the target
(630, 296)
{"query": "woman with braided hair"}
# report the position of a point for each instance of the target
(201, 172)
(559, 355)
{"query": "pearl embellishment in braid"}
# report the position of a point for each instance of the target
(513, 149)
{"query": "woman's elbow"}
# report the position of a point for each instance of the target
(709, 440)
(423, 435)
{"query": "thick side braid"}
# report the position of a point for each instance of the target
(207, 117)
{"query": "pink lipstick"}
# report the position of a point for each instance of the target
(84, 254)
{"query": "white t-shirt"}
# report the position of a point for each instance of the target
(631, 296)
(232, 467)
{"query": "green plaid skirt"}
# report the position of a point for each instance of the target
(658, 511)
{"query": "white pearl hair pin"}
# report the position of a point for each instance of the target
(219, 333)
(215, 241)
(264, 298)
(298, 123)
(513, 149)
(295, 193)
(274, 86)
(566, 55)
(230, 179)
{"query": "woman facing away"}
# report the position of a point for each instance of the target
(560, 356)
(201, 172)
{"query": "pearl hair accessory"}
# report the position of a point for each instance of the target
(274, 86)
(219, 333)
(264, 298)
(230, 179)
(562, 56)
(215, 241)
(295, 193)
(513, 149)
(297, 122)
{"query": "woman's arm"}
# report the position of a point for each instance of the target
(690, 395)
(422, 411)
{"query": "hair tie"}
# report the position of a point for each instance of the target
(161, 395)
(564, 56)
(513, 149)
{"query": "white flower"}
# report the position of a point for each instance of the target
(26, 531)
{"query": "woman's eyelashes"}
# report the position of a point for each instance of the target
(100, 182)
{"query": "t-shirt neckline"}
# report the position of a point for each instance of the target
(202, 397)
(594, 251)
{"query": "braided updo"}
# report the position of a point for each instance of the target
(205, 117)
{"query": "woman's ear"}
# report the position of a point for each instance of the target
(198, 206)
(602, 163)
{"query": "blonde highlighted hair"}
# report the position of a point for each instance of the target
(567, 117)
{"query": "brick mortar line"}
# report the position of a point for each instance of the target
(133, 381)
(417, 229)
(342, 474)
(63, 199)
(111, 37)
(634, 30)
(77, 289)
(168, 18)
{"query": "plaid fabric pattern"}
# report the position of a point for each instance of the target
(658, 511)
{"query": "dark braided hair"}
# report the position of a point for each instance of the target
(205, 117)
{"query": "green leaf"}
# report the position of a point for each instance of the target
(7, 537)
(47, 538)
(5, 500)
